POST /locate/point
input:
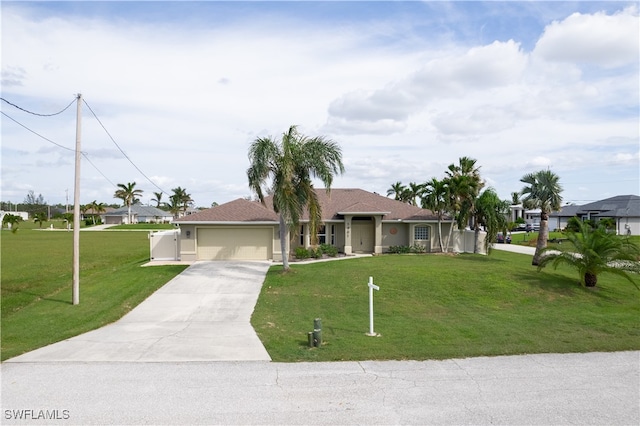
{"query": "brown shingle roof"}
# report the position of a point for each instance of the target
(351, 201)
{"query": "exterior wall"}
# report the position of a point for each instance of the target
(464, 241)
(628, 224)
(187, 242)
(394, 234)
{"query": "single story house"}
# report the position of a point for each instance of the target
(139, 214)
(353, 220)
(624, 209)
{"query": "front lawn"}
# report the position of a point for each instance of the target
(439, 306)
(37, 279)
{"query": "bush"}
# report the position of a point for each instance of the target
(416, 248)
(302, 253)
(329, 250)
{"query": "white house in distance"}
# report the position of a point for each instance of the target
(139, 214)
(353, 220)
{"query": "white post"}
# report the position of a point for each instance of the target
(372, 287)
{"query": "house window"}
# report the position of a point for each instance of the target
(421, 233)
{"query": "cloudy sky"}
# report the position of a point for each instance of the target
(405, 88)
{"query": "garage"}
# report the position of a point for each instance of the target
(234, 243)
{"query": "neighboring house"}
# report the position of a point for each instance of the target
(139, 214)
(353, 220)
(23, 215)
(624, 209)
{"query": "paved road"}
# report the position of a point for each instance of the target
(572, 389)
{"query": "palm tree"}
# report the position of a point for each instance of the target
(128, 194)
(12, 220)
(415, 190)
(490, 212)
(290, 165)
(181, 198)
(40, 218)
(515, 198)
(397, 189)
(593, 251)
(435, 198)
(542, 192)
(464, 184)
(97, 209)
(174, 205)
(157, 198)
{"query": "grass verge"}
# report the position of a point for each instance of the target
(437, 307)
(37, 277)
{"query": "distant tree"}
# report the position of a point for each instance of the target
(515, 198)
(40, 218)
(593, 252)
(491, 213)
(181, 198)
(157, 198)
(397, 190)
(128, 194)
(290, 164)
(12, 220)
(542, 191)
(97, 209)
(33, 204)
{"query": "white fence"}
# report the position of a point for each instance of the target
(165, 245)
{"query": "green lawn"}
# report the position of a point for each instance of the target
(436, 307)
(37, 278)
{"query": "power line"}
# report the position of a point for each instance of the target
(120, 149)
(35, 113)
(37, 134)
(84, 154)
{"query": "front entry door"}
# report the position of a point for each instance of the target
(362, 238)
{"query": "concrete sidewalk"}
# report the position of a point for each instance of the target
(203, 314)
(515, 248)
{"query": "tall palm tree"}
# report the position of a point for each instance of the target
(491, 213)
(397, 189)
(435, 198)
(290, 165)
(592, 252)
(415, 191)
(542, 191)
(174, 205)
(464, 184)
(128, 194)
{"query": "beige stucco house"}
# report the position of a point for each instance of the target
(353, 220)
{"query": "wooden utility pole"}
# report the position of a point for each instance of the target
(75, 292)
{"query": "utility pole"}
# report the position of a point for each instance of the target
(75, 292)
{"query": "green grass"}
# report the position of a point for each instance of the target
(37, 278)
(437, 307)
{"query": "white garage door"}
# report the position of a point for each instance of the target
(234, 243)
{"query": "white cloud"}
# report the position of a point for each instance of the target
(598, 39)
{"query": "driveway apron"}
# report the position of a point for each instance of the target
(203, 314)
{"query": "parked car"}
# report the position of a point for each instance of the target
(502, 239)
(528, 227)
(522, 227)
(536, 227)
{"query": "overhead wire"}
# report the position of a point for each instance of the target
(84, 154)
(120, 149)
(35, 113)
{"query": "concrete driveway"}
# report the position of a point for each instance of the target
(203, 314)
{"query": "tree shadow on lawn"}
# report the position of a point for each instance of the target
(48, 298)
(559, 284)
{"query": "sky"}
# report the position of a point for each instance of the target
(181, 89)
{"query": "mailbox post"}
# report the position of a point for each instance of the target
(372, 287)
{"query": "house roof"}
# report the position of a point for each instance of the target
(334, 206)
(139, 210)
(618, 206)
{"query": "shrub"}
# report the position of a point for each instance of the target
(329, 250)
(302, 253)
